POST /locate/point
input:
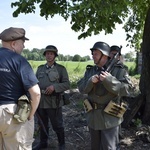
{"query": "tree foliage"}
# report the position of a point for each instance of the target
(91, 17)
(129, 56)
(76, 58)
(37, 55)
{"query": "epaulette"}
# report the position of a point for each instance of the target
(119, 64)
(59, 65)
(123, 66)
(41, 66)
(89, 66)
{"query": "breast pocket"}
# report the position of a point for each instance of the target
(53, 75)
(40, 75)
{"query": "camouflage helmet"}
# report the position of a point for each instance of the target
(116, 48)
(51, 48)
(101, 46)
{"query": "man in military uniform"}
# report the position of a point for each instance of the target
(114, 49)
(101, 88)
(53, 81)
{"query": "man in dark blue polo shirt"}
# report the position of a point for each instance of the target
(16, 79)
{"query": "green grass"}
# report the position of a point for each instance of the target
(72, 67)
(75, 70)
(75, 67)
(130, 64)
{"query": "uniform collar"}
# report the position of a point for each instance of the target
(100, 68)
(47, 66)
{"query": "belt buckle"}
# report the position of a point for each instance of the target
(95, 106)
(43, 91)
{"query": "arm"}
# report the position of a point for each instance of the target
(121, 86)
(86, 84)
(35, 99)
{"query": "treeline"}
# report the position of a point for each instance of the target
(37, 55)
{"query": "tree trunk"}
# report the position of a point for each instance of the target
(145, 75)
(134, 105)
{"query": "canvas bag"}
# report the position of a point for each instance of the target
(23, 109)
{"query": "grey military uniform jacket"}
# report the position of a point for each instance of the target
(113, 87)
(58, 77)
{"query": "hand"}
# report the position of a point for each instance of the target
(30, 117)
(49, 90)
(103, 75)
(95, 78)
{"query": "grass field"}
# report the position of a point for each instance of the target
(130, 64)
(72, 67)
(75, 69)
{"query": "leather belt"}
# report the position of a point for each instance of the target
(53, 94)
(97, 106)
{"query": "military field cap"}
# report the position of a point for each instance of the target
(101, 46)
(12, 34)
(51, 48)
(116, 48)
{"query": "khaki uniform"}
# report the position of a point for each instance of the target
(104, 128)
(56, 76)
(50, 105)
(101, 93)
(10, 130)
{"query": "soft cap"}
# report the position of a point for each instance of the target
(12, 34)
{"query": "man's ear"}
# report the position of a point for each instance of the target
(13, 44)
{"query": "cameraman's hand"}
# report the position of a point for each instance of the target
(95, 78)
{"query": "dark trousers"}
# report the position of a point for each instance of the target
(56, 119)
(105, 139)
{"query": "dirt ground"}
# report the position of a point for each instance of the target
(77, 134)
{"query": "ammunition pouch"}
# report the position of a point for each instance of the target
(115, 109)
(88, 106)
(23, 109)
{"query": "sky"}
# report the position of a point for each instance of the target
(56, 31)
